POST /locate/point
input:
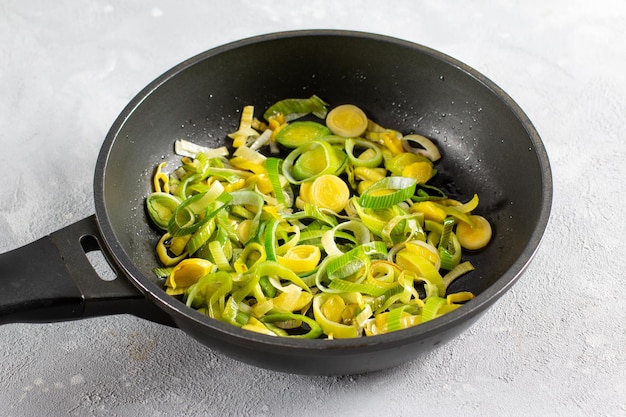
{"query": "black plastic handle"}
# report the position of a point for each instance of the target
(52, 279)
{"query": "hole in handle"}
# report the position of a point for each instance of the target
(96, 258)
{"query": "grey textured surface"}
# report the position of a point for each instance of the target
(553, 346)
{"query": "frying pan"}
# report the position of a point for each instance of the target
(488, 147)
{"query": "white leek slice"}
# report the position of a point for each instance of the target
(189, 149)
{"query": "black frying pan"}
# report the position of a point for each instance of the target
(488, 146)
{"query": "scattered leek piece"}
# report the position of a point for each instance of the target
(457, 271)
(311, 160)
(315, 329)
(347, 120)
(371, 158)
(328, 310)
(188, 272)
(161, 206)
(449, 248)
(294, 108)
(388, 192)
(184, 147)
(329, 192)
(476, 236)
(161, 181)
(240, 137)
(301, 258)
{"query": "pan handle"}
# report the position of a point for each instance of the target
(52, 279)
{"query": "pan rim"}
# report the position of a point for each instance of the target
(178, 309)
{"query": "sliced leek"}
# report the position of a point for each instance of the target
(329, 192)
(342, 237)
(301, 132)
(347, 120)
(294, 108)
(388, 192)
(161, 207)
(476, 235)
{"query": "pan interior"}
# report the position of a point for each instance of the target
(486, 149)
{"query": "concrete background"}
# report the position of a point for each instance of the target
(553, 346)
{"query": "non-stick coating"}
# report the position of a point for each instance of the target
(488, 147)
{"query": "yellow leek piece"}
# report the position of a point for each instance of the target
(474, 237)
(329, 192)
(469, 206)
(405, 320)
(243, 163)
(255, 325)
(272, 212)
(188, 272)
(276, 124)
(237, 185)
(347, 120)
(431, 211)
(252, 254)
(243, 230)
(276, 120)
(301, 258)
(407, 279)
(392, 142)
(305, 191)
(179, 243)
(162, 252)
(161, 180)
(369, 174)
(459, 297)
(446, 308)
(263, 307)
(291, 301)
(383, 273)
(333, 308)
(422, 267)
(367, 154)
(459, 270)
(330, 327)
(423, 249)
(363, 186)
(311, 163)
(397, 163)
(259, 125)
(301, 132)
(422, 171)
(262, 182)
(250, 154)
(245, 127)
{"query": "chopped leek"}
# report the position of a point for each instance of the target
(347, 120)
(388, 192)
(329, 192)
(184, 147)
(300, 132)
(313, 230)
(428, 148)
(161, 206)
(474, 236)
(293, 108)
(312, 160)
